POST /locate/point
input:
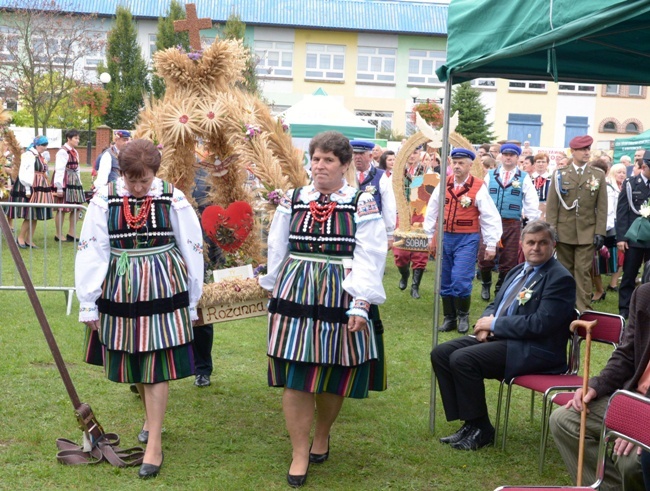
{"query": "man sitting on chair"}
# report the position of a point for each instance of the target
(628, 368)
(525, 330)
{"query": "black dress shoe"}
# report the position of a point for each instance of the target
(143, 436)
(202, 380)
(319, 458)
(22, 246)
(458, 436)
(71, 238)
(475, 439)
(56, 238)
(297, 481)
(149, 470)
(612, 288)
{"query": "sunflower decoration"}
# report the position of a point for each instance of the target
(209, 114)
(178, 121)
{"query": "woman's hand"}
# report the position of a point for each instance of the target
(357, 323)
(94, 325)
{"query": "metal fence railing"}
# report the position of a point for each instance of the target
(51, 263)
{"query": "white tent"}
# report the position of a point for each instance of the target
(320, 112)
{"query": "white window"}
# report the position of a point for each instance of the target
(8, 44)
(577, 88)
(94, 58)
(376, 64)
(325, 61)
(411, 128)
(482, 83)
(612, 89)
(423, 65)
(51, 51)
(274, 59)
(635, 90)
(152, 45)
(527, 85)
(382, 120)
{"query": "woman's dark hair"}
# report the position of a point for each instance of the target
(384, 158)
(138, 157)
(70, 134)
(332, 141)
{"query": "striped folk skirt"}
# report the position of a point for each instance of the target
(73, 191)
(41, 193)
(145, 329)
(309, 346)
(149, 367)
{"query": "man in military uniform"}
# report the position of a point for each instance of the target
(577, 207)
(635, 192)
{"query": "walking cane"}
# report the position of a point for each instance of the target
(97, 445)
(587, 326)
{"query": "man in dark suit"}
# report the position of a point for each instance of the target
(525, 330)
(634, 193)
(629, 369)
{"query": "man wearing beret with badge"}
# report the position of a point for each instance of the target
(577, 207)
(515, 197)
(374, 181)
(635, 192)
(468, 211)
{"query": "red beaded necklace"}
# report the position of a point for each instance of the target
(321, 212)
(139, 220)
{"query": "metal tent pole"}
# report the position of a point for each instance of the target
(444, 152)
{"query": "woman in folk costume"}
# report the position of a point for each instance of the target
(327, 251)
(66, 185)
(139, 275)
(31, 186)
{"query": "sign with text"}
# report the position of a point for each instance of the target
(232, 312)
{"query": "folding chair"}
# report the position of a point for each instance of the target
(628, 417)
(608, 330)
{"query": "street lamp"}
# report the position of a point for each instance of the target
(104, 78)
(440, 94)
(414, 93)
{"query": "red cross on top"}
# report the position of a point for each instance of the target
(193, 25)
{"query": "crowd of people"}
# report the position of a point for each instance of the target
(548, 234)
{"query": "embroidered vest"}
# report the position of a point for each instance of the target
(115, 165)
(508, 199)
(73, 161)
(156, 232)
(335, 237)
(372, 179)
(461, 219)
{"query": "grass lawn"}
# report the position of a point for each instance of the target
(231, 435)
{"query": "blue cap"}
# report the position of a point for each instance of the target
(510, 148)
(360, 146)
(122, 134)
(41, 140)
(462, 153)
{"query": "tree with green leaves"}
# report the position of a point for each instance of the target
(234, 28)
(128, 71)
(44, 47)
(166, 37)
(471, 114)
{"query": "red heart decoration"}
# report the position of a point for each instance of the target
(228, 228)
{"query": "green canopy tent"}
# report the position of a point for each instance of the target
(590, 41)
(627, 146)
